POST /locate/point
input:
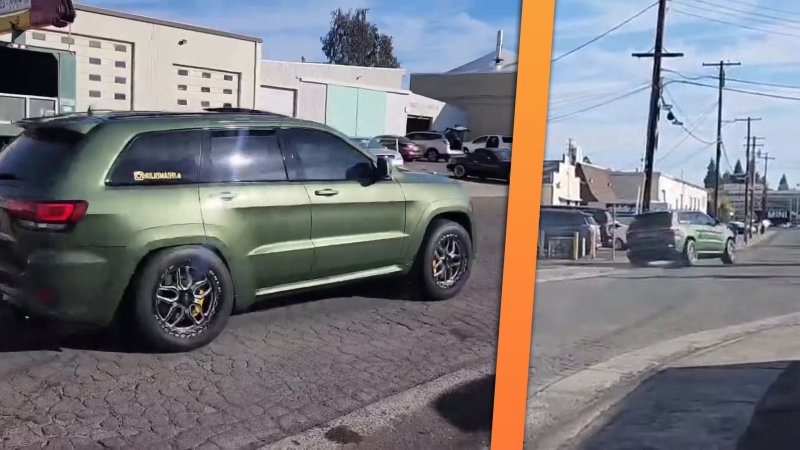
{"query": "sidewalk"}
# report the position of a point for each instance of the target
(743, 394)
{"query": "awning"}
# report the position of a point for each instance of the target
(21, 15)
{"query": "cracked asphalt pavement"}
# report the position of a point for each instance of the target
(295, 363)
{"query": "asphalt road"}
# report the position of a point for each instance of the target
(295, 363)
(582, 322)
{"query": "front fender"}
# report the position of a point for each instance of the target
(418, 228)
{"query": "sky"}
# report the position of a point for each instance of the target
(614, 135)
(429, 35)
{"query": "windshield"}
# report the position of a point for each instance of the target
(38, 155)
(652, 220)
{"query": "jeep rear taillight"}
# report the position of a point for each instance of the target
(46, 215)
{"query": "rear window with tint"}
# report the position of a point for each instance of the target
(652, 220)
(507, 139)
(159, 158)
(37, 156)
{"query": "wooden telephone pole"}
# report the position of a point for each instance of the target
(655, 102)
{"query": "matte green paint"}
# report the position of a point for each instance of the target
(274, 237)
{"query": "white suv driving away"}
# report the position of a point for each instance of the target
(488, 141)
(434, 144)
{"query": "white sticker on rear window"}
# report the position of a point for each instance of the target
(147, 176)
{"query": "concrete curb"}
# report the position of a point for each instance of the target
(560, 412)
(383, 413)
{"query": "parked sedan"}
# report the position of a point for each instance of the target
(375, 147)
(407, 148)
(483, 163)
(563, 224)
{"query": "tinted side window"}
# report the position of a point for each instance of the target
(414, 136)
(480, 140)
(507, 139)
(317, 155)
(159, 158)
(244, 156)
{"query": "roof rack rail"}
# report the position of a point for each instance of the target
(243, 111)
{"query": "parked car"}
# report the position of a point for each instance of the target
(683, 236)
(620, 240)
(169, 222)
(488, 141)
(434, 144)
(554, 223)
(376, 148)
(601, 215)
(483, 163)
(407, 148)
(737, 227)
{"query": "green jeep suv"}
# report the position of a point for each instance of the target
(683, 236)
(170, 222)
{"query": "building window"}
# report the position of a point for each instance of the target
(206, 75)
(93, 77)
(67, 40)
(182, 87)
(205, 89)
(183, 72)
(121, 48)
(39, 36)
(120, 80)
(94, 94)
(228, 91)
(120, 96)
(95, 61)
(228, 77)
(205, 104)
(183, 102)
(95, 44)
(120, 64)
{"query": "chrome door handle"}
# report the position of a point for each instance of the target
(227, 196)
(326, 192)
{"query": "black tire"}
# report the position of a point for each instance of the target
(146, 323)
(637, 261)
(459, 171)
(432, 154)
(729, 255)
(618, 244)
(439, 230)
(689, 255)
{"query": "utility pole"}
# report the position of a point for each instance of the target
(748, 173)
(753, 145)
(721, 65)
(765, 156)
(655, 99)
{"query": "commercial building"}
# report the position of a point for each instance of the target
(358, 101)
(560, 182)
(113, 60)
(485, 88)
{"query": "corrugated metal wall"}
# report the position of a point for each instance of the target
(356, 112)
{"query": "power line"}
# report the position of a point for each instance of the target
(689, 132)
(606, 33)
(737, 25)
(598, 105)
(704, 115)
(748, 15)
(766, 84)
(741, 91)
(766, 8)
(575, 97)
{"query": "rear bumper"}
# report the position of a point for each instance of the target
(661, 250)
(81, 287)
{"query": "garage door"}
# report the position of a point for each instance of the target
(102, 68)
(355, 111)
(195, 89)
(277, 100)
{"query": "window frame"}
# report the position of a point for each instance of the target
(287, 150)
(205, 157)
(129, 144)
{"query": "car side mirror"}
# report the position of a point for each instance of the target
(383, 170)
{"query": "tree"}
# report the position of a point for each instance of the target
(737, 169)
(353, 41)
(711, 175)
(783, 185)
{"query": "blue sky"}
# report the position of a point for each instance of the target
(614, 135)
(429, 35)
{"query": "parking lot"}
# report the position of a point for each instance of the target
(292, 364)
(476, 188)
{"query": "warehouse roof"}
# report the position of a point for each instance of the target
(166, 23)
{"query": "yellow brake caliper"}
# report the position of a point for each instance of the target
(197, 309)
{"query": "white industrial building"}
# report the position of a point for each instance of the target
(485, 88)
(124, 61)
(358, 101)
